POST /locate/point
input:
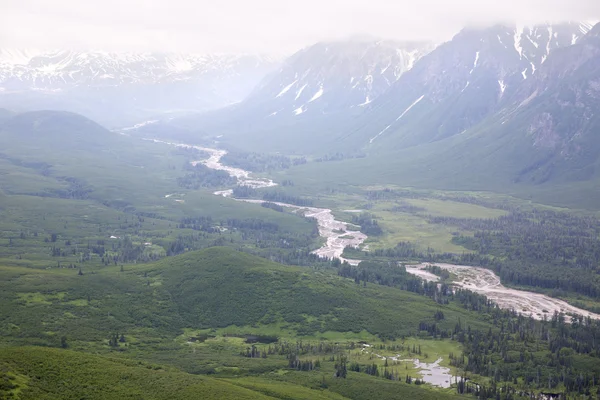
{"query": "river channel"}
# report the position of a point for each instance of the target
(486, 282)
(337, 234)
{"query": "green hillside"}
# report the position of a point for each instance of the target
(42, 373)
(53, 153)
(94, 195)
(212, 288)
(219, 287)
(220, 295)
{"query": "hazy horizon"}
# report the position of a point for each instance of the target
(265, 26)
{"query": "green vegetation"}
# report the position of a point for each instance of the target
(41, 373)
(123, 276)
(308, 302)
(260, 162)
(137, 312)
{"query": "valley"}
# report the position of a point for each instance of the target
(255, 283)
(338, 238)
(336, 233)
(364, 218)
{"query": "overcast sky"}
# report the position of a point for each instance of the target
(266, 26)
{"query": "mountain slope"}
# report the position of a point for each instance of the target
(447, 91)
(219, 287)
(5, 115)
(555, 114)
(319, 88)
(212, 288)
(131, 86)
(61, 153)
(329, 77)
(539, 140)
(46, 373)
(463, 82)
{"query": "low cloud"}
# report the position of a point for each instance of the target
(270, 26)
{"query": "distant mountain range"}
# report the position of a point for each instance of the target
(503, 107)
(311, 90)
(117, 88)
(353, 95)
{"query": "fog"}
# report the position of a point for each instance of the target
(266, 26)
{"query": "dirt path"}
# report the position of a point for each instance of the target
(484, 281)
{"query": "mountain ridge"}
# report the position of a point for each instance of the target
(124, 88)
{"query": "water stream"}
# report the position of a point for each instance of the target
(338, 236)
(337, 233)
(486, 282)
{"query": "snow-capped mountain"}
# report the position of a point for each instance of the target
(327, 77)
(61, 69)
(542, 137)
(463, 81)
(324, 84)
(383, 95)
(155, 82)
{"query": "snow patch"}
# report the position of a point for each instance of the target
(517, 39)
(286, 89)
(397, 119)
(367, 101)
(299, 110)
(317, 95)
(524, 73)
(299, 92)
(379, 134)
(550, 37)
(585, 27)
(410, 107)
(500, 40)
(474, 63)
(179, 65)
(502, 86)
(466, 86)
(412, 58)
(533, 43)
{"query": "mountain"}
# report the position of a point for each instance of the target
(555, 117)
(426, 96)
(329, 77)
(537, 138)
(461, 83)
(118, 88)
(312, 89)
